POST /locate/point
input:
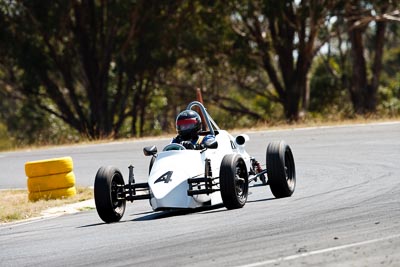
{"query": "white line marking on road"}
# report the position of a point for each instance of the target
(348, 125)
(310, 128)
(316, 252)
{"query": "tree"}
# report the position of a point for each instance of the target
(90, 63)
(359, 15)
(284, 38)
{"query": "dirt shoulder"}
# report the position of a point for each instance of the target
(15, 206)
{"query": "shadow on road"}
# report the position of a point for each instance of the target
(151, 215)
(173, 213)
(91, 225)
(261, 200)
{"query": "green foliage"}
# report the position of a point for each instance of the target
(390, 99)
(94, 61)
(6, 142)
(327, 93)
(389, 91)
(126, 68)
(28, 125)
(391, 64)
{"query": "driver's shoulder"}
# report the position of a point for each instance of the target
(176, 139)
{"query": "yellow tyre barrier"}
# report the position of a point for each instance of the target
(51, 182)
(48, 166)
(50, 178)
(52, 194)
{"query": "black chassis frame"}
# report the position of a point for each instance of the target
(210, 184)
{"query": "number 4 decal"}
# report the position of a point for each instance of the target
(166, 178)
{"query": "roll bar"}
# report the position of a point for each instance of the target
(210, 122)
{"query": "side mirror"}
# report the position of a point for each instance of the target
(212, 144)
(150, 150)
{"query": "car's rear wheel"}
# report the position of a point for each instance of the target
(281, 169)
(109, 194)
(233, 180)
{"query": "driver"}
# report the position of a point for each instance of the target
(188, 126)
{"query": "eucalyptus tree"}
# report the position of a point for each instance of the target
(284, 39)
(367, 25)
(90, 63)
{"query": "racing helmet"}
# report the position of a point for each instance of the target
(188, 123)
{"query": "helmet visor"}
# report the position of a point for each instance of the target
(186, 124)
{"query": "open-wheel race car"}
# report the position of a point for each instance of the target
(179, 178)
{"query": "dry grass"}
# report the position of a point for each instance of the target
(14, 204)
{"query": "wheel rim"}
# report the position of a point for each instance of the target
(117, 187)
(289, 169)
(240, 183)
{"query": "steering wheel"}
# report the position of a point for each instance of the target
(174, 146)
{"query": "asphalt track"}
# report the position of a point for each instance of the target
(345, 210)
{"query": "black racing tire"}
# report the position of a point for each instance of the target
(108, 185)
(233, 179)
(281, 169)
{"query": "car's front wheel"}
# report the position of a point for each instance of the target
(109, 194)
(233, 178)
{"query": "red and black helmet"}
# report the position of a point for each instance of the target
(188, 123)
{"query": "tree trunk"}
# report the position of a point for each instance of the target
(371, 98)
(305, 104)
(291, 102)
(134, 120)
(359, 86)
(363, 92)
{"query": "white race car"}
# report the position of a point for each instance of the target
(181, 178)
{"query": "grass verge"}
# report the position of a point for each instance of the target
(14, 204)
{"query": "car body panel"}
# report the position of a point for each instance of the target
(168, 177)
